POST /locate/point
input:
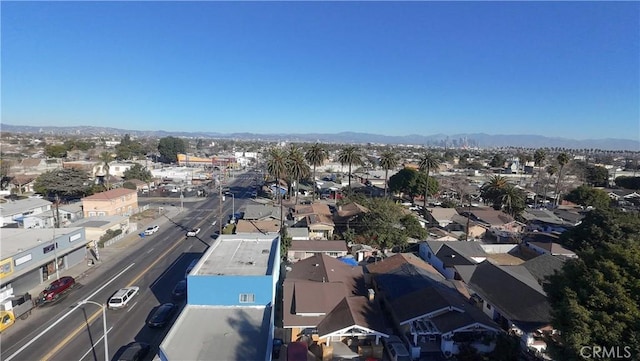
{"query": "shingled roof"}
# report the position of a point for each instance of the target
(355, 311)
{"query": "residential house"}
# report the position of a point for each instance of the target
(438, 234)
(263, 226)
(512, 297)
(298, 233)
(441, 217)
(543, 220)
(23, 183)
(92, 168)
(320, 226)
(261, 212)
(96, 227)
(551, 248)
(347, 213)
(445, 255)
(70, 213)
(543, 266)
(314, 288)
(501, 225)
(300, 250)
(430, 312)
(16, 211)
(119, 201)
(461, 223)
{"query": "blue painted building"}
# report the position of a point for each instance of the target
(230, 302)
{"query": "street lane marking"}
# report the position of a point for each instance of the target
(132, 306)
(75, 332)
(35, 338)
(94, 344)
(149, 251)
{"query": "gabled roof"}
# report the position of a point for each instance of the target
(302, 210)
(355, 311)
(323, 268)
(491, 216)
(569, 216)
(453, 253)
(543, 266)
(263, 226)
(542, 215)
(554, 248)
(519, 299)
(317, 219)
(318, 246)
(316, 299)
(351, 209)
(396, 261)
(261, 211)
(443, 214)
(110, 194)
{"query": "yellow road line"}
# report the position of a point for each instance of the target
(75, 332)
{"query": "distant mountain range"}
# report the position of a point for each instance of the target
(480, 140)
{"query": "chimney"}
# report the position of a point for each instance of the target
(372, 294)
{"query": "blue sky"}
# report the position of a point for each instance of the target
(568, 69)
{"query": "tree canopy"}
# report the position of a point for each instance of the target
(588, 196)
(137, 171)
(63, 183)
(628, 182)
(411, 182)
(596, 176)
(595, 300)
(170, 147)
(128, 148)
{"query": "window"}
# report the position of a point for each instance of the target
(247, 298)
(333, 254)
(488, 306)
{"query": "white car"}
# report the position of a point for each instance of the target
(194, 232)
(151, 230)
(122, 298)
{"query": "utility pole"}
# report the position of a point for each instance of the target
(220, 199)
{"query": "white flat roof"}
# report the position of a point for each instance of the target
(216, 333)
(238, 254)
(13, 240)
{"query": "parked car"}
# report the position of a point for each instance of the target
(135, 351)
(194, 232)
(122, 298)
(162, 315)
(396, 349)
(151, 230)
(180, 290)
(57, 288)
(190, 267)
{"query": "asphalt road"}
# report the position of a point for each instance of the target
(67, 331)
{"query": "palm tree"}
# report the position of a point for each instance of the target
(538, 158)
(388, 160)
(277, 166)
(493, 190)
(563, 159)
(297, 166)
(106, 158)
(551, 170)
(315, 155)
(351, 156)
(512, 199)
(427, 162)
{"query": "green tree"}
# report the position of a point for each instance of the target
(588, 196)
(497, 161)
(412, 227)
(137, 171)
(563, 159)
(628, 182)
(388, 160)
(316, 155)
(55, 151)
(297, 166)
(427, 162)
(381, 226)
(595, 300)
(602, 225)
(63, 183)
(350, 155)
(129, 185)
(512, 199)
(5, 177)
(492, 190)
(128, 148)
(106, 158)
(596, 176)
(170, 147)
(538, 160)
(404, 181)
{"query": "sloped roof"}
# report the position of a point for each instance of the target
(442, 214)
(352, 311)
(541, 215)
(110, 194)
(309, 297)
(396, 261)
(543, 266)
(302, 210)
(261, 211)
(520, 299)
(22, 205)
(553, 248)
(351, 209)
(456, 252)
(323, 268)
(315, 219)
(318, 246)
(492, 216)
(263, 226)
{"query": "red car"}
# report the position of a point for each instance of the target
(56, 288)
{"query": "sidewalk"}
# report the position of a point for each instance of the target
(109, 255)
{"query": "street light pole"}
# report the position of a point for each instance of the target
(233, 207)
(104, 325)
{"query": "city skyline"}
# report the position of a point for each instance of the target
(555, 69)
